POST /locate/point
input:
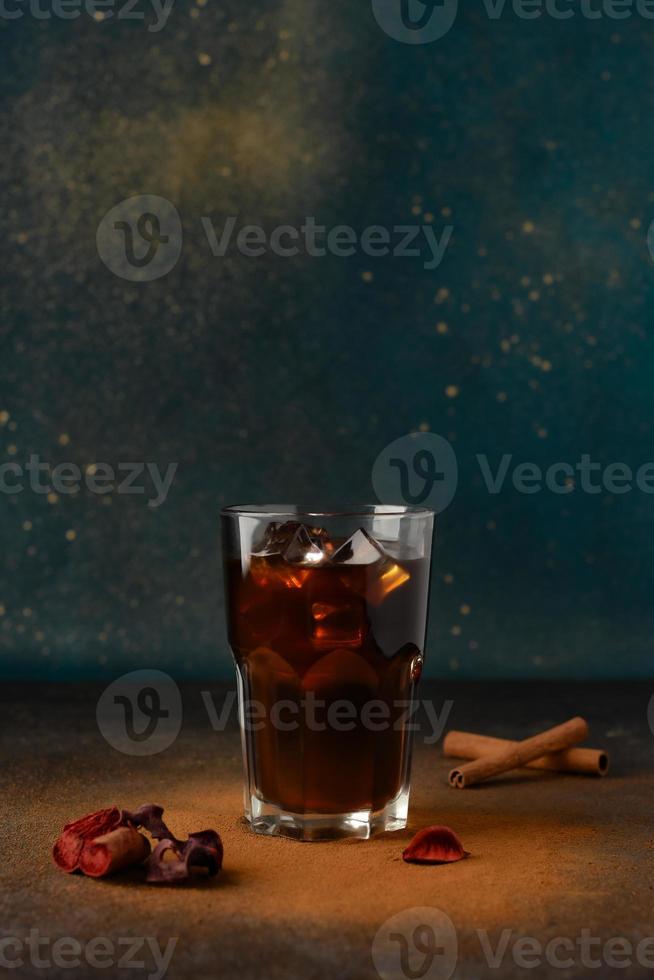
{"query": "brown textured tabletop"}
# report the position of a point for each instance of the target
(552, 856)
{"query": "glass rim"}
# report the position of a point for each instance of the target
(362, 510)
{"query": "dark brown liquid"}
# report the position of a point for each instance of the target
(308, 636)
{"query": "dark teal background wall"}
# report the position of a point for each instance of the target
(282, 379)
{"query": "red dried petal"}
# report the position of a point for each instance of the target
(122, 848)
(68, 846)
(434, 845)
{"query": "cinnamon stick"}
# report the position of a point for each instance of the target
(514, 756)
(468, 745)
(119, 849)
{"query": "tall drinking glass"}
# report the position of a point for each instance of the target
(326, 619)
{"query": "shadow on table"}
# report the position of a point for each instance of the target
(134, 878)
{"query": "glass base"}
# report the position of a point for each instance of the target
(273, 821)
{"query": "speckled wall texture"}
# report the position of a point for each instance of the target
(282, 378)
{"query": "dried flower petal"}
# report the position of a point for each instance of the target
(108, 841)
(68, 846)
(434, 845)
(201, 850)
(150, 817)
(122, 848)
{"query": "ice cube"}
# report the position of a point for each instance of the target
(267, 571)
(275, 538)
(390, 578)
(383, 573)
(360, 549)
(320, 537)
(304, 549)
(338, 624)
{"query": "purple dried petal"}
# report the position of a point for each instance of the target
(149, 816)
(208, 838)
(202, 850)
(160, 870)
